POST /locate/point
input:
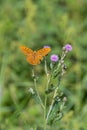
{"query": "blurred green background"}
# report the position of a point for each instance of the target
(35, 23)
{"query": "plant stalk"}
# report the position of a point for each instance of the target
(35, 85)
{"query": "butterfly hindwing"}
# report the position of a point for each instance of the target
(33, 59)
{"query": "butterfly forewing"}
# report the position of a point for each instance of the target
(26, 51)
(44, 51)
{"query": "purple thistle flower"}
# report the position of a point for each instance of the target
(54, 58)
(67, 47)
(46, 46)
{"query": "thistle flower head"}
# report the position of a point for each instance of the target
(54, 58)
(46, 46)
(67, 47)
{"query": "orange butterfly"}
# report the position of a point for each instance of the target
(34, 57)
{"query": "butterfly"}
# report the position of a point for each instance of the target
(34, 57)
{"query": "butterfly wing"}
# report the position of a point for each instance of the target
(26, 51)
(38, 56)
(33, 60)
(43, 52)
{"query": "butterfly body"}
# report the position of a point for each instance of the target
(34, 57)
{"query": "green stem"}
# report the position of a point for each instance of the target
(35, 85)
(51, 106)
(45, 113)
(45, 108)
(56, 90)
(2, 75)
(55, 93)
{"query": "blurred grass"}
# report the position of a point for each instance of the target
(35, 24)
